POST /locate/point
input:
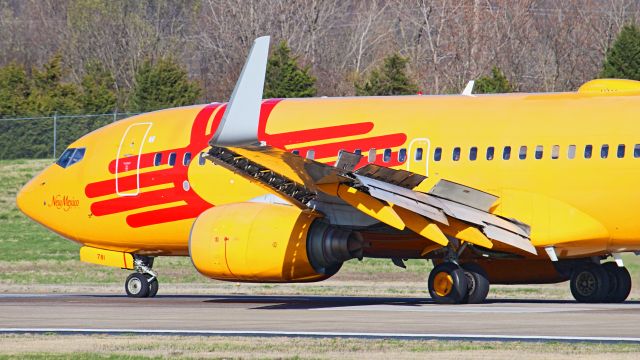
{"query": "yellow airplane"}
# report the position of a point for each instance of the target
(502, 189)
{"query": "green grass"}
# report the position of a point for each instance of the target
(195, 347)
(78, 356)
(22, 239)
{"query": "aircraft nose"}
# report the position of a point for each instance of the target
(29, 198)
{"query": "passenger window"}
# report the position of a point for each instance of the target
(604, 151)
(473, 153)
(490, 151)
(437, 154)
(157, 159)
(523, 153)
(172, 159)
(386, 155)
(621, 151)
(571, 152)
(555, 152)
(506, 153)
(588, 150)
(311, 154)
(636, 151)
(456, 154)
(418, 156)
(186, 160)
(201, 159)
(539, 151)
(372, 155)
(402, 155)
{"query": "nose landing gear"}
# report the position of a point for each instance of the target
(143, 282)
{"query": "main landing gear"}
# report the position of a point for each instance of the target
(600, 283)
(450, 283)
(143, 282)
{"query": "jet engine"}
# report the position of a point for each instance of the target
(261, 242)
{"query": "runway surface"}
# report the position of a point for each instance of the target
(320, 316)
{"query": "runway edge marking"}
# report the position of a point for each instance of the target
(322, 334)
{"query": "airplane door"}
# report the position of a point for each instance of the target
(418, 157)
(128, 159)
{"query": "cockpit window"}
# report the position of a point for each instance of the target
(70, 157)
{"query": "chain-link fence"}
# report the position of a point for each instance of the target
(48, 136)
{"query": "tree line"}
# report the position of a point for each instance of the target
(102, 56)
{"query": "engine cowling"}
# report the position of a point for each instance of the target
(261, 242)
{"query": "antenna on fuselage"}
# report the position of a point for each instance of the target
(239, 125)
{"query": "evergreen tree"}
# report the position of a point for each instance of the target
(50, 94)
(98, 90)
(390, 79)
(160, 85)
(623, 58)
(285, 78)
(14, 91)
(497, 83)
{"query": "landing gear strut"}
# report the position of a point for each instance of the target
(143, 282)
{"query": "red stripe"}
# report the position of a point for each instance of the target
(199, 127)
(325, 133)
(127, 183)
(265, 112)
(166, 215)
(377, 142)
(126, 203)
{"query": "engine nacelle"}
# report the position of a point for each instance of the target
(262, 242)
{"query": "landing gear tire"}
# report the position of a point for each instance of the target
(137, 285)
(448, 284)
(619, 282)
(477, 283)
(590, 284)
(153, 285)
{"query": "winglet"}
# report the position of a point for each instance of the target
(468, 90)
(239, 125)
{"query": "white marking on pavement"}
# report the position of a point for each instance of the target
(408, 336)
(456, 309)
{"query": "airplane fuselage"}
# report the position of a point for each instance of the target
(528, 149)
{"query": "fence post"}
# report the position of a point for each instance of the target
(55, 130)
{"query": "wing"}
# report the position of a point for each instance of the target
(447, 211)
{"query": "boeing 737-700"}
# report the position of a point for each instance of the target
(494, 189)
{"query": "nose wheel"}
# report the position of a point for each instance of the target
(144, 282)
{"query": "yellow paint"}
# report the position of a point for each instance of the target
(442, 283)
(253, 242)
(584, 207)
(610, 86)
(106, 257)
(468, 233)
(422, 226)
(370, 206)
